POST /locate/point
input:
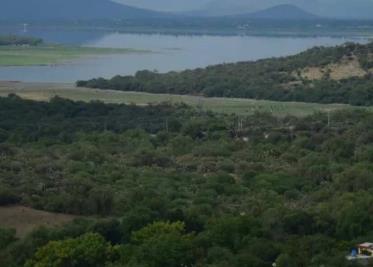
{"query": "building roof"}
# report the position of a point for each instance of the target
(366, 245)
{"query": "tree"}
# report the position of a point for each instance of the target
(7, 236)
(162, 244)
(89, 250)
(298, 223)
(284, 260)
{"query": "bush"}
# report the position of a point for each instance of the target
(7, 236)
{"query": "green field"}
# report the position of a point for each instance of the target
(44, 92)
(52, 54)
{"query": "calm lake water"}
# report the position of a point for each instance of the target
(170, 53)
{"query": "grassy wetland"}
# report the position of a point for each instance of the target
(12, 55)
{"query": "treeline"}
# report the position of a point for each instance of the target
(19, 40)
(173, 186)
(277, 79)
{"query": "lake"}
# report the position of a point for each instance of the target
(171, 52)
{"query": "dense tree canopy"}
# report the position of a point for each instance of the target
(172, 186)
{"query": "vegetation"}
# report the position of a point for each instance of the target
(169, 185)
(281, 79)
(19, 40)
(52, 54)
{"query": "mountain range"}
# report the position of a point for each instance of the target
(30, 10)
(357, 9)
(361, 9)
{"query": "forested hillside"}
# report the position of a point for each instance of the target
(342, 74)
(173, 186)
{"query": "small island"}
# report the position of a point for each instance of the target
(31, 51)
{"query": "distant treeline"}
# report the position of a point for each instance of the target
(279, 79)
(19, 40)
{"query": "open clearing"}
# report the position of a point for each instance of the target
(52, 54)
(24, 219)
(46, 91)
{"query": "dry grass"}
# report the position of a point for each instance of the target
(346, 68)
(24, 219)
(312, 73)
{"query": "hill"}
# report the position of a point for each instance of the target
(341, 74)
(35, 10)
(327, 8)
(282, 12)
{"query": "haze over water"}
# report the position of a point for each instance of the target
(171, 52)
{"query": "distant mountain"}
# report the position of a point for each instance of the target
(358, 9)
(282, 12)
(234, 7)
(279, 12)
(30, 10)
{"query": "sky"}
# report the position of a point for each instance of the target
(327, 8)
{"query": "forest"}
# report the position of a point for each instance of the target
(318, 75)
(6, 40)
(170, 185)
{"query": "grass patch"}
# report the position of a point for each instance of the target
(53, 54)
(45, 91)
